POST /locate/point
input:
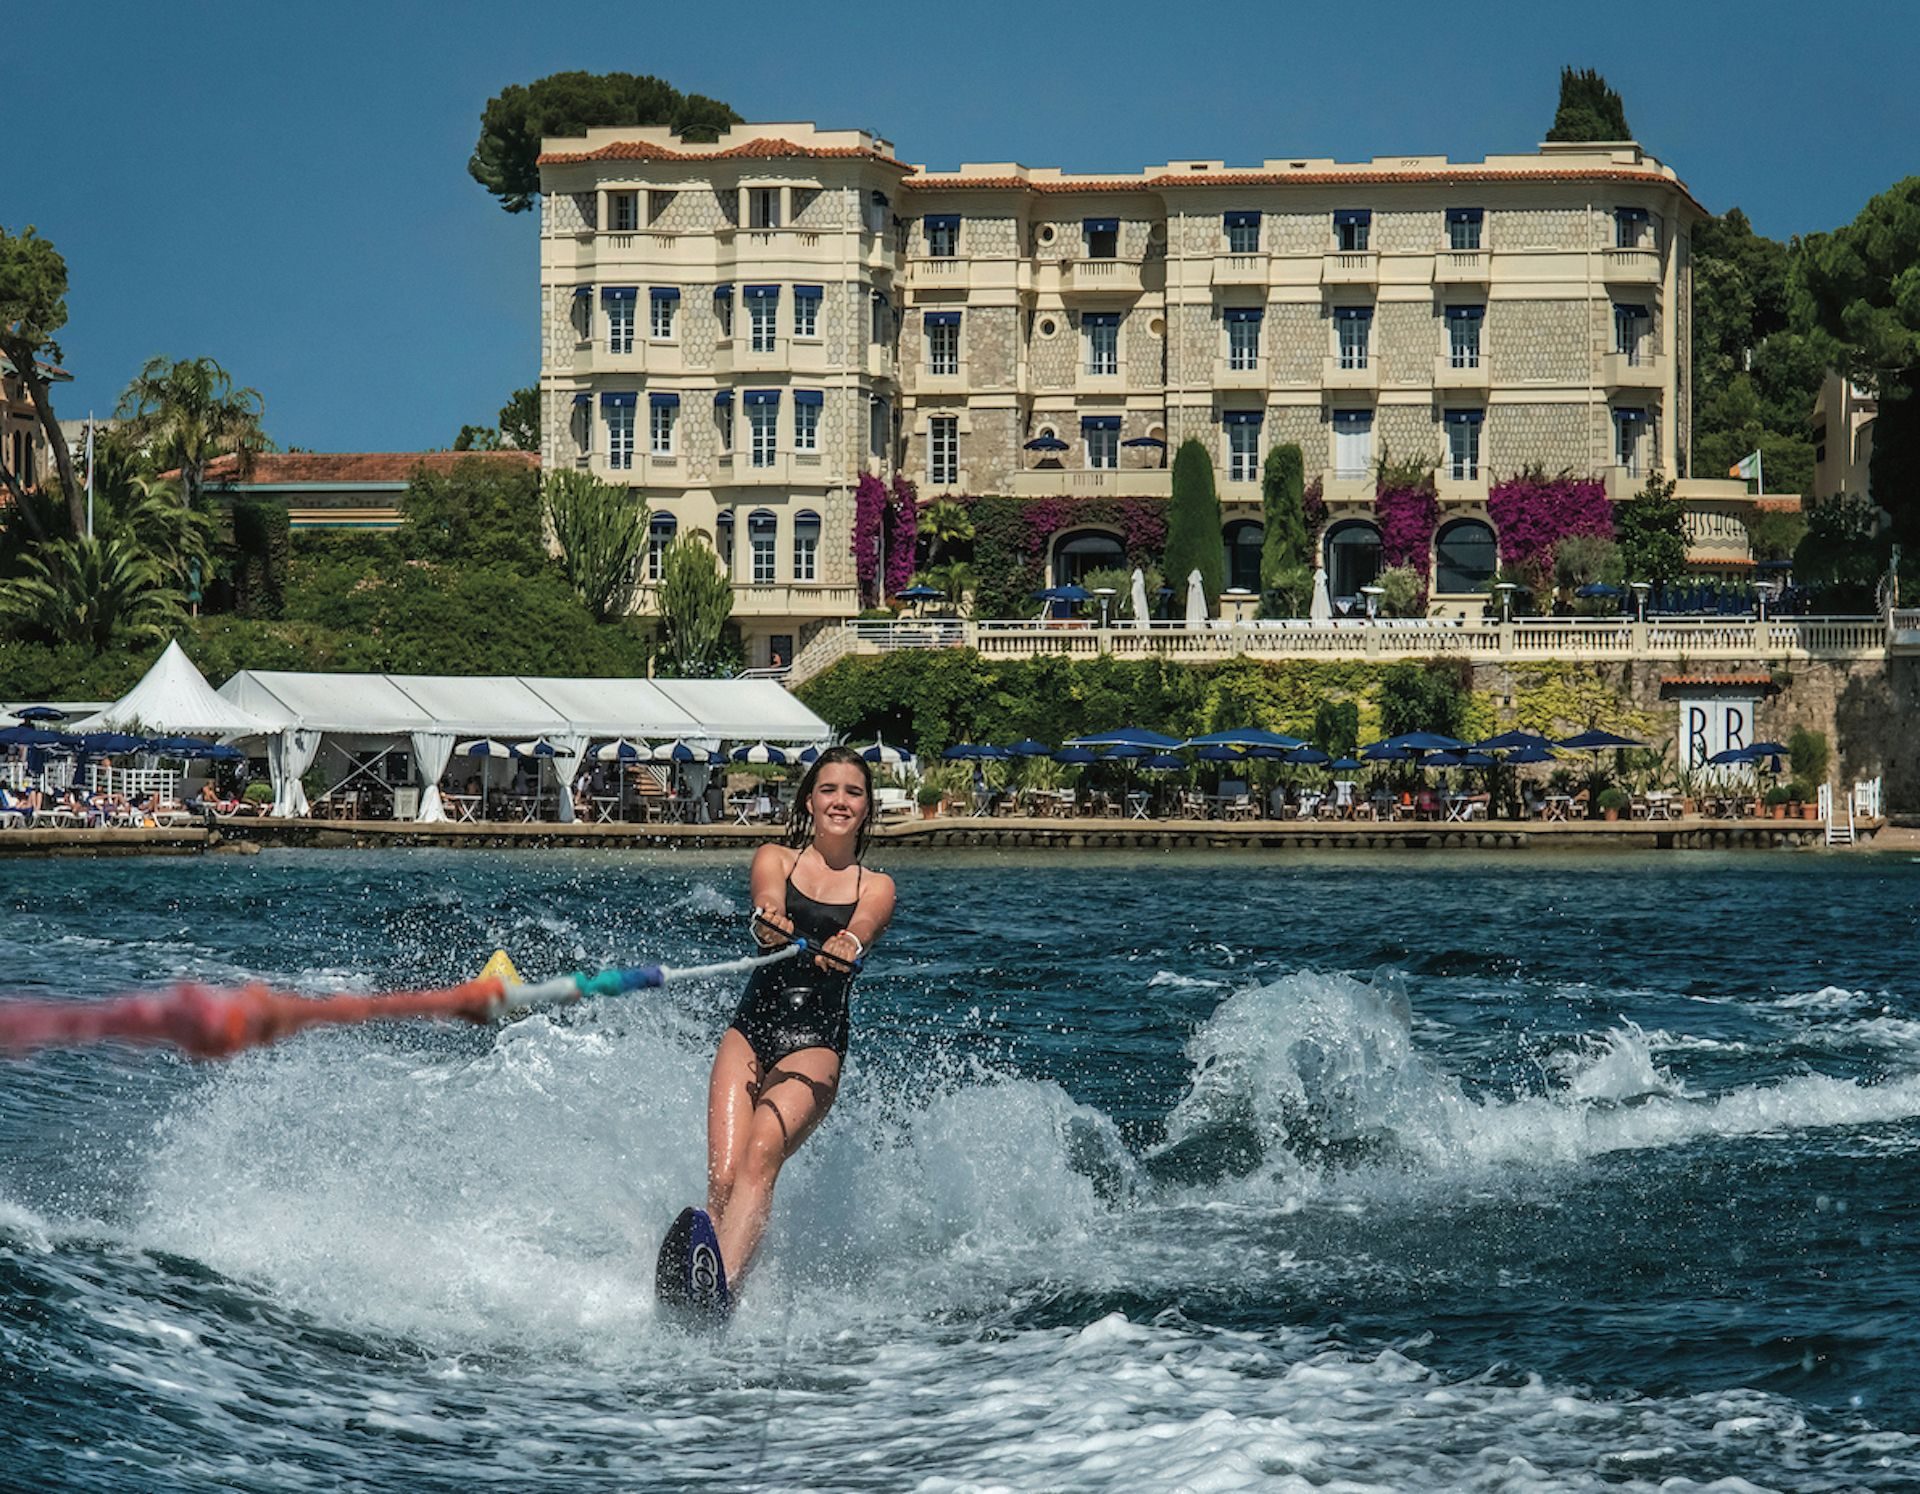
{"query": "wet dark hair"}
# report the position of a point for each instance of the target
(800, 822)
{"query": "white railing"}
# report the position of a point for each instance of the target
(1544, 638)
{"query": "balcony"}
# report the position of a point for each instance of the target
(1336, 373)
(1350, 267)
(1101, 276)
(926, 381)
(1633, 371)
(1249, 374)
(800, 469)
(1624, 482)
(936, 272)
(881, 363)
(1130, 482)
(1462, 267)
(1451, 372)
(1240, 269)
(737, 355)
(1088, 380)
(1630, 266)
(794, 599)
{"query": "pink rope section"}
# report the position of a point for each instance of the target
(210, 1023)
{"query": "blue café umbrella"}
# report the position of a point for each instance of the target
(1346, 764)
(1219, 752)
(1165, 760)
(1310, 756)
(1477, 760)
(108, 743)
(1145, 441)
(620, 750)
(1245, 736)
(1273, 754)
(808, 755)
(1029, 748)
(1509, 741)
(1126, 736)
(1414, 742)
(221, 752)
(988, 753)
(1770, 749)
(38, 713)
(1441, 760)
(881, 753)
(1730, 755)
(1526, 755)
(960, 752)
(1598, 741)
(183, 747)
(540, 747)
(1074, 757)
(1380, 752)
(1070, 594)
(760, 752)
(680, 752)
(31, 736)
(1045, 443)
(919, 594)
(1599, 589)
(482, 747)
(1125, 752)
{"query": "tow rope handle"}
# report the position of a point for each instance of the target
(805, 946)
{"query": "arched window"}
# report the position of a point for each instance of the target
(806, 545)
(762, 531)
(1085, 550)
(1464, 557)
(659, 535)
(1353, 558)
(1242, 540)
(723, 539)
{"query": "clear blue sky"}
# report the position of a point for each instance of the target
(283, 186)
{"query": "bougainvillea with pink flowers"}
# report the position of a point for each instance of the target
(903, 532)
(1313, 508)
(1532, 513)
(1407, 516)
(869, 515)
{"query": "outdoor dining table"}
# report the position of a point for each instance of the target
(461, 807)
(606, 808)
(1461, 806)
(1659, 805)
(1138, 804)
(1559, 806)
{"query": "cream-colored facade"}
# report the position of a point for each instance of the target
(1843, 417)
(1527, 309)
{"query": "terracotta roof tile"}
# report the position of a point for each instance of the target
(747, 150)
(357, 466)
(1454, 176)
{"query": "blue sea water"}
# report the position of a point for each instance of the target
(1149, 1172)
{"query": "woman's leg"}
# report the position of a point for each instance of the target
(792, 1098)
(736, 1076)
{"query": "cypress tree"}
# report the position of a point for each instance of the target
(1589, 110)
(1193, 525)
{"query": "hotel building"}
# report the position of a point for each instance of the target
(740, 329)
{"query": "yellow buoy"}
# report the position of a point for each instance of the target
(501, 967)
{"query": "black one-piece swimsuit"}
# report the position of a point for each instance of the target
(796, 1004)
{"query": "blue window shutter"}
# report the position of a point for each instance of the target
(665, 292)
(1100, 319)
(1244, 313)
(723, 399)
(1465, 417)
(1353, 417)
(619, 400)
(723, 293)
(762, 292)
(582, 399)
(1465, 313)
(763, 396)
(582, 290)
(1344, 216)
(1352, 313)
(1627, 413)
(1099, 422)
(1242, 417)
(1465, 215)
(620, 293)
(1101, 225)
(806, 293)
(1630, 214)
(943, 318)
(941, 220)
(1241, 220)
(1639, 313)
(809, 396)
(662, 400)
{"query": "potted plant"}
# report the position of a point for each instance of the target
(1612, 801)
(929, 799)
(1777, 798)
(1804, 803)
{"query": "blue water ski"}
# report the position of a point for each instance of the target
(690, 1280)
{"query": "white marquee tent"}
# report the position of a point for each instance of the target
(431, 712)
(175, 698)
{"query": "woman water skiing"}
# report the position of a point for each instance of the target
(778, 1067)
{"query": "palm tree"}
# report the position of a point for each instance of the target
(948, 525)
(956, 578)
(97, 590)
(186, 412)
